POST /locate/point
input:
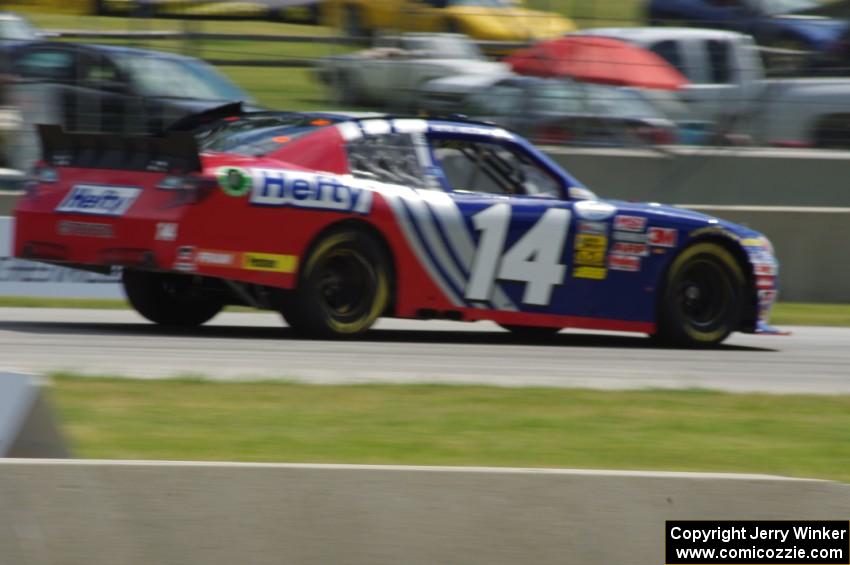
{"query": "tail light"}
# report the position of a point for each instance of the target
(187, 189)
(552, 135)
(656, 135)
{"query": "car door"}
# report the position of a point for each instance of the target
(508, 225)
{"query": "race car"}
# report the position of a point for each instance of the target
(336, 220)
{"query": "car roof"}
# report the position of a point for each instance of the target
(651, 34)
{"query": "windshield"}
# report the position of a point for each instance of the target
(180, 78)
(15, 29)
(258, 134)
(777, 7)
(618, 102)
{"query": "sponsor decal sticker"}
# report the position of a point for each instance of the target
(274, 187)
(629, 263)
(625, 248)
(589, 257)
(663, 237)
(166, 231)
(215, 258)
(234, 181)
(768, 269)
(185, 260)
(594, 210)
(765, 282)
(598, 228)
(630, 237)
(84, 229)
(630, 223)
(269, 262)
(99, 200)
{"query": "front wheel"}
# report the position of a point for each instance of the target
(343, 287)
(169, 299)
(702, 297)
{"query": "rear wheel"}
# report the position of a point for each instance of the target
(702, 298)
(169, 299)
(343, 287)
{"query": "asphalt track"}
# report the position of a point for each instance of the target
(250, 346)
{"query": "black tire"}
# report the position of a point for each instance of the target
(702, 298)
(168, 299)
(343, 287)
(531, 332)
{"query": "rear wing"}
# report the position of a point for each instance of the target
(174, 152)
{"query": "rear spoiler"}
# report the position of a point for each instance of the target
(174, 152)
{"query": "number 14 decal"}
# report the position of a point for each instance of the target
(534, 259)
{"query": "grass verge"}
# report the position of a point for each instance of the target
(784, 313)
(190, 419)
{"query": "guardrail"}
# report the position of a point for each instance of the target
(107, 512)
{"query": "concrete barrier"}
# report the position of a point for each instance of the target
(101, 512)
(27, 426)
(730, 176)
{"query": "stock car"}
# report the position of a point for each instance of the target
(335, 220)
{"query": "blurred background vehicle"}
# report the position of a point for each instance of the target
(119, 89)
(15, 27)
(554, 111)
(295, 11)
(497, 20)
(788, 24)
(728, 87)
(390, 73)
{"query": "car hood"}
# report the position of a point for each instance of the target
(682, 218)
(510, 24)
(819, 30)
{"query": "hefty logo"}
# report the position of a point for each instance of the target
(99, 200)
(273, 187)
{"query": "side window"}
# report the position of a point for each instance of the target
(47, 65)
(501, 100)
(389, 158)
(719, 61)
(669, 51)
(481, 166)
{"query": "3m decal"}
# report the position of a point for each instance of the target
(589, 256)
(84, 229)
(663, 237)
(629, 236)
(269, 262)
(274, 187)
(594, 210)
(624, 263)
(630, 223)
(99, 200)
(234, 181)
(625, 248)
(764, 282)
(166, 231)
(534, 259)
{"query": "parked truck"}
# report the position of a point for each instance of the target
(728, 87)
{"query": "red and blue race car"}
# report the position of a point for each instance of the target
(336, 220)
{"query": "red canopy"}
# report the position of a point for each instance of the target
(597, 59)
